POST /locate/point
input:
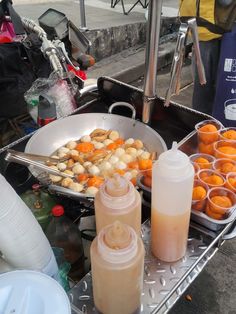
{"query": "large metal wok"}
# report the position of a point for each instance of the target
(56, 134)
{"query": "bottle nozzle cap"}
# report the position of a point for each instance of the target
(58, 210)
(117, 236)
(117, 186)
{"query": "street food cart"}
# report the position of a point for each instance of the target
(164, 283)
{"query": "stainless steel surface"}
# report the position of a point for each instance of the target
(208, 222)
(163, 282)
(192, 23)
(177, 63)
(152, 48)
(18, 158)
(56, 134)
(83, 26)
(37, 157)
(124, 104)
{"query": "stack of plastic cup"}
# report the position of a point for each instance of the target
(22, 241)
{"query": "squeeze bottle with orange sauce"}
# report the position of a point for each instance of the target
(172, 185)
(117, 263)
(117, 199)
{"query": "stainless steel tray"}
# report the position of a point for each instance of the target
(189, 146)
(163, 282)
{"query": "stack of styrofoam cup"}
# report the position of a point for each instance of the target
(22, 241)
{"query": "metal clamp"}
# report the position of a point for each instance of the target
(123, 104)
(174, 86)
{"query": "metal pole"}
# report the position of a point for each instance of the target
(153, 35)
(82, 16)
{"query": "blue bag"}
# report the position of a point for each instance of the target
(224, 108)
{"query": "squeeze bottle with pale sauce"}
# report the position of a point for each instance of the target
(117, 199)
(117, 263)
(172, 185)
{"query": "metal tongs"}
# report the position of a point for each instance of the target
(174, 86)
(36, 161)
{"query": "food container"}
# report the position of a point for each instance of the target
(224, 166)
(228, 133)
(199, 205)
(211, 178)
(225, 149)
(208, 134)
(200, 159)
(228, 184)
(189, 146)
(223, 205)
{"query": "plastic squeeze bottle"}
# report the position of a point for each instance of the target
(172, 184)
(63, 233)
(117, 262)
(117, 199)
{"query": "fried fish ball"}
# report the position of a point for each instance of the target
(87, 164)
(70, 163)
(74, 152)
(71, 144)
(61, 166)
(54, 178)
(66, 182)
(78, 169)
(114, 135)
(85, 139)
(91, 191)
(67, 171)
(77, 187)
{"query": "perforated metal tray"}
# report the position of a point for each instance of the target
(163, 282)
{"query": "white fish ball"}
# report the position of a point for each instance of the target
(71, 144)
(77, 187)
(145, 155)
(85, 138)
(94, 170)
(61, 166)
(119, 152)
(78, 169)
(129, 141)
(107, 142)
(114, 135)
(91, 191)
(126, 158)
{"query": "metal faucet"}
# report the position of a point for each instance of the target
(174, 86)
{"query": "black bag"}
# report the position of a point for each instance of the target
(19, 68)
(20, 65)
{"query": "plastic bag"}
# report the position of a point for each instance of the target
(58, 90)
